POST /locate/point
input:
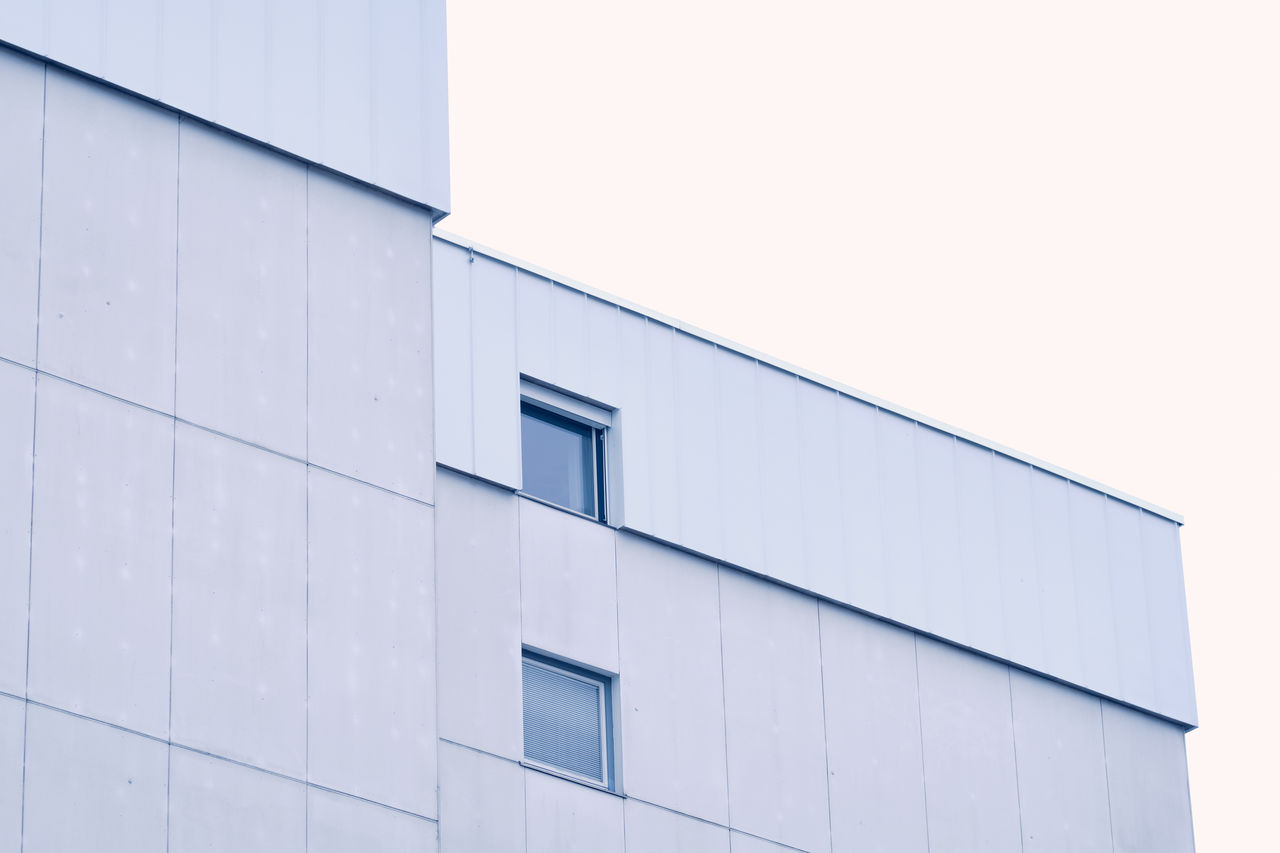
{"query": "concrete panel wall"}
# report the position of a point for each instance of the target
(222, 806)
(565, 817)
(21, 158)
(338, 824)
(1147, 781)
(882, 512)
(481, 802)
(17, 445)
(358, 87)
(654, 830)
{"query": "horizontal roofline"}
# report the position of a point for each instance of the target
(847, 390)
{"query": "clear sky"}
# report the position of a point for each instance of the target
(1056, 226)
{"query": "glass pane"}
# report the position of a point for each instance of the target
(562, 725)
(559, 459)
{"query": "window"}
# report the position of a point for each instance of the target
(568, 714)
(562, 447)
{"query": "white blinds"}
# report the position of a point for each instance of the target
(563, 721)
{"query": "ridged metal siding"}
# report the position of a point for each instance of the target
(750, 464)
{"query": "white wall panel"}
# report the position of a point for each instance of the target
(240, 57)
(979, 560)
(665, 432)
(338, 824)
(1094, 608)
(17, 424)
(21, 156)
(293, 55)
(481, 802)
(242, 314)
(568, 586)
(109, 241)
(1052, 532)
(773, 712)
(401, 157)
(673, 738)
(944, 585)
(100, 561)
(1129, 596)
(632, 418)
(496, 386)
(969, 765)
(695, 457)
(738, 445)
(1016, 555)
(742, 843)
(781, 481)
(860, 487)
(455, 423)
(604, 353)
(535, 327)
(370, 333)
(346, 83)
(1147, 781)
(132, 44)
(569, 337)
(478, 607)
(223, 807)
(239, 602)
(565, 817)
(12, 734)
(873, 734)
(371, 643)
(1062, 774)
(87, 782)
(654, 830)
(1167, 609)
(820, 496)
(900, 515)
(72, 31)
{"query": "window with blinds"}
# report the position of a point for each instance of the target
(566, 719)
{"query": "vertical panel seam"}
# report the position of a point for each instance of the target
(724, 698)
(1106, 772)
(471, 358)
(306, 619)
(1017, 779)
(826, 749)
(924, 776)
(35, 407)
(173, 484)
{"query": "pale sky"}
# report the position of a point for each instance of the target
(1054, 226)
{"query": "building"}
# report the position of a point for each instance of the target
(323, 532)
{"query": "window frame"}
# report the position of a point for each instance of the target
(604, 684)
(577, 410)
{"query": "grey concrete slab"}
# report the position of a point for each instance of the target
(88, 784)
(221, 806)
(100, 558)
(371, 644)
(239, 602)
(107, 281)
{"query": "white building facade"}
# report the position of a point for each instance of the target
(320, 531)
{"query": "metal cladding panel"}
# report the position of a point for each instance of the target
(240, 602)
(21, 157)
(979, 561)
(495, 389)
(672, 689)
(1147, 782)
(86, 782)
(781, 480)
(1016, 558)
(568, 586)
(637, 442)
(565, 817)
(17, 425)
(1129, 594)
(1062, 773)
(359, 87)
(860, 512)
(740, 842)
(1051, 523)
(242, 353)
(900, 504)
(773, 712)
(569, 337)
(654, 830)
(456, 425)
(224, 806)
(371, 706)
(338, 824)
(100, 558)
(1094, 608)
(107, 282)
(695, 457)
(478, 612)
(370, 337)
(665, 432)
(969, 763)
(481, 802)
(535, 327)
(1170, 641)
(739, 440)
(13, 725)
(820, 491)
(874, 761)
(602, 321)
(944, 585)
